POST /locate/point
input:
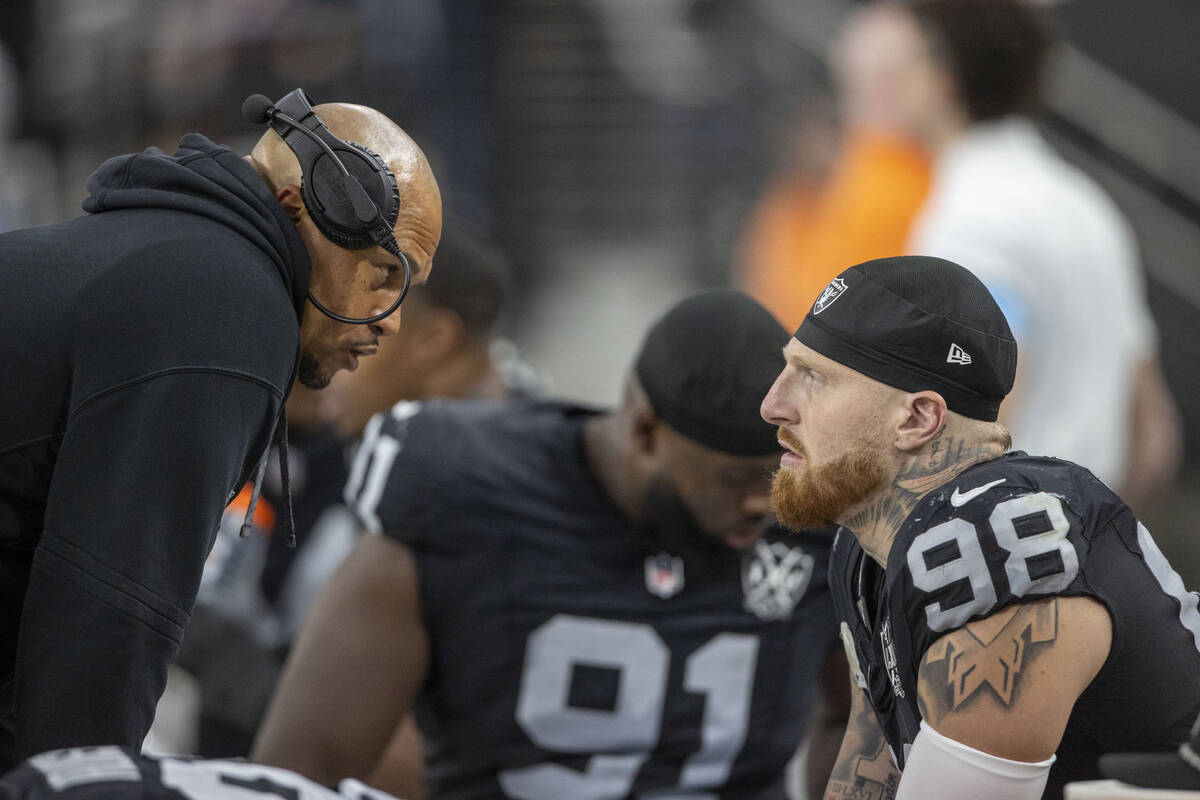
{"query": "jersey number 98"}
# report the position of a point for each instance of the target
(1032, 529)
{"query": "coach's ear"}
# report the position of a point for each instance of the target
(290, 197)
(923, 415)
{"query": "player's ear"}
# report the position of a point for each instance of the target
(645, 427)
(647, 430)
(924, 414)
(441, 332)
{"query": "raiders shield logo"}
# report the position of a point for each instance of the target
(774, 578)
(832, 292)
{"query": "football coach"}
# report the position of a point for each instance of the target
(147, 348)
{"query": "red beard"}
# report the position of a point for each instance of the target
(816, 496)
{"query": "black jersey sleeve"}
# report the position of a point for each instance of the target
(397, 471)
(400, 481)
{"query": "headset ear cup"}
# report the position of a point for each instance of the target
(375, 177)
(340, 238)
(390, 210)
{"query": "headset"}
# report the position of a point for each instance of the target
(348, 190)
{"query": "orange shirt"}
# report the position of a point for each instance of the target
(800, 238)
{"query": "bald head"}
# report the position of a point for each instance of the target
(354, 280)
(420, 198)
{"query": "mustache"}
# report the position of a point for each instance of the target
(790, 440)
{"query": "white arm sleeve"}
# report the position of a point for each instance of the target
(938, 768)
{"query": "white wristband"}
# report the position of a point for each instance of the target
(938, 768)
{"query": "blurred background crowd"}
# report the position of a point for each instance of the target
(622, 152)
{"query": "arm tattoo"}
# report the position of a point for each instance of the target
(864, 769)
(987, 654)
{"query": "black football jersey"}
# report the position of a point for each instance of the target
(570, 660)
(1007, 531)
(121, 773)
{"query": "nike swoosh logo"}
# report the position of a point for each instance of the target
(959, 499)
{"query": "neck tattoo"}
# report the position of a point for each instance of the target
(875, 524)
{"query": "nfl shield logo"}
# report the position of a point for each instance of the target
(664, 575)
(774, 578)
(832, 292)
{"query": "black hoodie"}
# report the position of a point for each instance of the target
(146, 350)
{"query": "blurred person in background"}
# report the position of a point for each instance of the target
(156, 339)
(578, 604)
(1046, 240)
(803, 231)
(28, 172)
(256, 590)
(448, 346)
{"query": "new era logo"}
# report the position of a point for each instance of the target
(958, 355)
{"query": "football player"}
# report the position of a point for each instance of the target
(1006, 617)
(584, 604)
(122, 773)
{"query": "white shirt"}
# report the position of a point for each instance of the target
(1063, 265)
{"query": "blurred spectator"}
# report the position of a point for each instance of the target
(1047, 241)
(256, 590)
(446, 347)
(803, 233)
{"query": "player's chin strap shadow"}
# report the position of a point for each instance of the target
(387, 242)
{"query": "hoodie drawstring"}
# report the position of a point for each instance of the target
(278, 434)
(253, 504)
(286, 480)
